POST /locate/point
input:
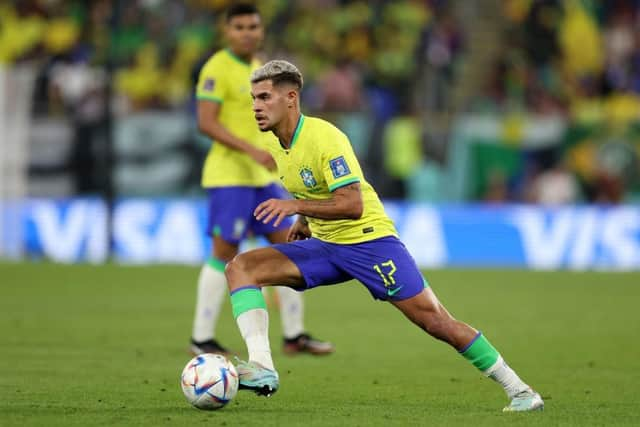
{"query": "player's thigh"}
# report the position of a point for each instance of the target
(313, 259)
(274, 234)
(263, 267)
(230, 213)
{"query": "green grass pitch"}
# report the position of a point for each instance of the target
(104, 345)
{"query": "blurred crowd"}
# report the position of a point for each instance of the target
(579, 60)
(365, 64)
(156, 46)
(360, 59)
(575, 57)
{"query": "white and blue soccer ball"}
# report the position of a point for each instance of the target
(209, 381)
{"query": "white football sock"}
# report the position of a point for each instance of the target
(254, 328)
(291, 311)
(506, 377)
(212, 290)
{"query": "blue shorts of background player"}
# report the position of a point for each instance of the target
(231, 211)
(383, 266)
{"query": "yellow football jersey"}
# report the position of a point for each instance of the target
(319, 161)
(225, 79)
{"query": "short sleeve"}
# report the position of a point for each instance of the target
(211, 83)
(340, 165)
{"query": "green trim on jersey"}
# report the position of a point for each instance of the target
(296, 133)
(237, 58)
(344, 182)
(210, 98)
(216, 264)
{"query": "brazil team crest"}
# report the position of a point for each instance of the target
(307, 177)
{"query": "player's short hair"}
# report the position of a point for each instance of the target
(279, 72)
(241, 9)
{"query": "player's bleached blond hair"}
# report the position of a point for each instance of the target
(278, 71)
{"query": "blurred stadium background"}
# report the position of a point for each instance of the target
(516, 121)
(503, 135)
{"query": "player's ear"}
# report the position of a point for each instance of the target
(292, 98)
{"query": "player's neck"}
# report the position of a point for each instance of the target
(287, 128)
(246, 58)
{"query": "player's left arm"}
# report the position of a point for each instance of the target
(345, 203)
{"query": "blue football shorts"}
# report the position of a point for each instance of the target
(383, 266)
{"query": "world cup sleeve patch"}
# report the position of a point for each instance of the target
(209, 84)
(339, 167)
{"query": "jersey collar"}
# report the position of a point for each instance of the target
(296, 133)
(237, 58)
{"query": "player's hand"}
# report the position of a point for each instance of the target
(275, 208)
(264, 158)
(298, 231)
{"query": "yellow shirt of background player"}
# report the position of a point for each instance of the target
(225, 79)
(319, 161)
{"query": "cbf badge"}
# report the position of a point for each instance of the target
(209, 85)
(307, 177)
(339, 167)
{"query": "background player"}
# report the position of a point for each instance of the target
(348, 235)
(238, 176)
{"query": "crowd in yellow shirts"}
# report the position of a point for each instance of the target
(578, 60)
(156, 44)
(577, 57)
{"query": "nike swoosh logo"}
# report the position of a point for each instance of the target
(392, 292)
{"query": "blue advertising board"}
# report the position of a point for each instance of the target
(514, 236)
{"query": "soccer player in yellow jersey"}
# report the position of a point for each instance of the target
(238, 175)
(341, 233)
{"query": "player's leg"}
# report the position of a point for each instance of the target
(229, 211)
(246, 274)
(212, 289)
(295, 339)
(426, 311)
(301, 265)
(390, 273)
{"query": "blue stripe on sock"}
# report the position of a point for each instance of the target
(243, 288)
(471, 343)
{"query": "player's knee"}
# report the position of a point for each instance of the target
(236, 269)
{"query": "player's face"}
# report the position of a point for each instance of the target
(269, 104)
(244, 34)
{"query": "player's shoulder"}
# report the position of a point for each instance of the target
(217, 60)
(326, 134)
(321, 126)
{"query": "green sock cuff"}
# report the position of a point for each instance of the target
(245, 299)
(216, 264)
(480, 353)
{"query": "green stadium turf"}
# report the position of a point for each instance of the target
(104, 345)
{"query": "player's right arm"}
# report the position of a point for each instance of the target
(209, 124)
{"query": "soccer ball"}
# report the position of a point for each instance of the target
(209, 381)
